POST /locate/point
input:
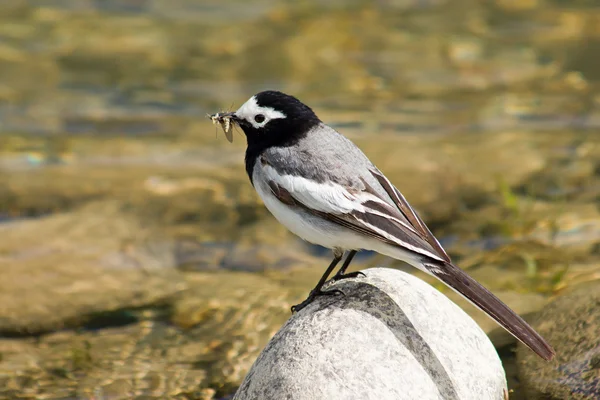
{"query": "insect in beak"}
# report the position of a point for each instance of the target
(226, 120)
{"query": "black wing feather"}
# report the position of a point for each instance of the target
(410, 214)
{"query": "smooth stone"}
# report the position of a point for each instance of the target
(571, 323)
(391, 336)
(200, 345)
(61, 270)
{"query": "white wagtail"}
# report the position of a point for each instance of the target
(323, 188)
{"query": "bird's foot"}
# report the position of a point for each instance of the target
(339, 277)
(313, 295)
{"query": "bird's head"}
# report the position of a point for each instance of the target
(273, 117)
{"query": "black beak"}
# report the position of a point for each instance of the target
(229, 115)
(234, 118)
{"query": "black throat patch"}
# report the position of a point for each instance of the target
(283, 132)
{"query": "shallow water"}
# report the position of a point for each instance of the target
(485, 114)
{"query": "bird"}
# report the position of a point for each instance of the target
(324, 189)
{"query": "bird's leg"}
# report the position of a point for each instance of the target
(337, 256)
(341, 274)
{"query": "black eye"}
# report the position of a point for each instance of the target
(259, 118)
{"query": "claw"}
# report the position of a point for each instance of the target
(314, 295)
(347, 276)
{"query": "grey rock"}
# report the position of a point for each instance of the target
(391, 336)
(572, 324)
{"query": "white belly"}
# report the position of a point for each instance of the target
(299, 222)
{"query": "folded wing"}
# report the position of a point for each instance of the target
(361, 210)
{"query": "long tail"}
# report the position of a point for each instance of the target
(483, 299)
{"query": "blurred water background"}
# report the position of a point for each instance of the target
(136, 260)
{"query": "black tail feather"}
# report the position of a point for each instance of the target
(483, 299)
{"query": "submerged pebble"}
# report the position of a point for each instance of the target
(571, 323)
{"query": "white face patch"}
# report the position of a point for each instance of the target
(250, 110)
